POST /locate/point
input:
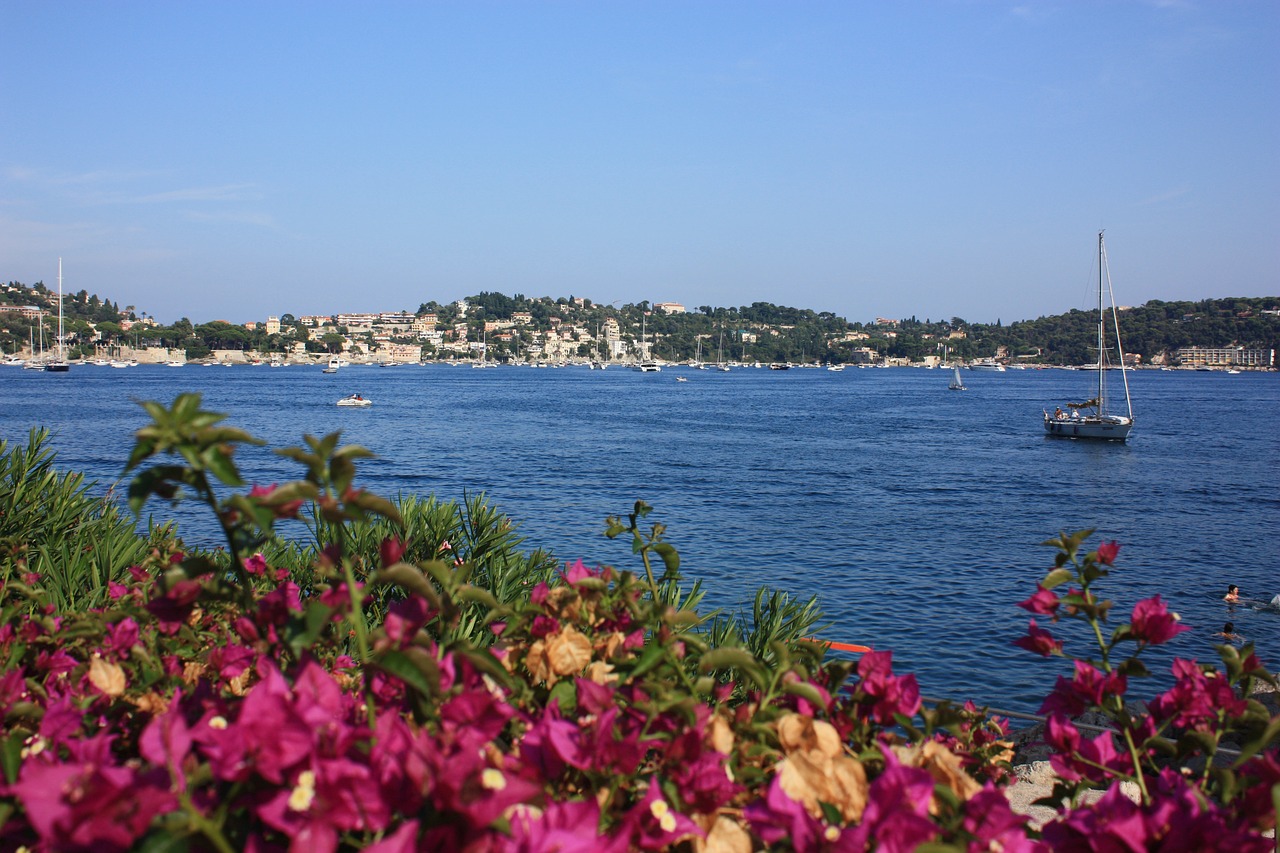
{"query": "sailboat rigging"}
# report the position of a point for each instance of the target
(1093, 418)
(59, 365)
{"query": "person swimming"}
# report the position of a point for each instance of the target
(1228, 633)
(1233, 593)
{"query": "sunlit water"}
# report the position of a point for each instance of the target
(914, 513)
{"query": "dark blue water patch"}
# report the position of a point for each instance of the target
(914, 513)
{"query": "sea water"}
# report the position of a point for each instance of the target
(914, 513)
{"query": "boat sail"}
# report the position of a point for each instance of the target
(957, 384)
(1093, 418)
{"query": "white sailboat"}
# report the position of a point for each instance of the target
(720, 365)
(1092, 418)
(59, 364)
(957, 384)
(647, 364)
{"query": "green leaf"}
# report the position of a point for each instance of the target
(1056, 578)
(805, 690)
(414, 667)
(670, 558)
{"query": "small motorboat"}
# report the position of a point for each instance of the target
(355, 401)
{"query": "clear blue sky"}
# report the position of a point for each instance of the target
(949, 158)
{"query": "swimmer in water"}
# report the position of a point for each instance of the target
(1228, 634)
(1233, 593)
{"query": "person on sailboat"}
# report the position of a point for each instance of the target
(1057, 414)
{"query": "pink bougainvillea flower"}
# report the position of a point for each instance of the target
(404, 618)
(120, 639)
(231, 660)
(288, 509)
(888, 694)
(994, 825)
(1196, 699)
(256, 565)
(1088, 688)
(89, 803)
(1043, 602)
(654, 824)
(896, 819)
(577, 571)
(1153, 623)
(1039, 641)
(1107, 552)
(566, 827)
(391, 550)
(173, 607)
(166, 741)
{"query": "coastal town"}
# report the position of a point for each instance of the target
(493, 329)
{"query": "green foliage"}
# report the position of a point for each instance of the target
(51, 526)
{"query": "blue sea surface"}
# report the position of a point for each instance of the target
(914, 514)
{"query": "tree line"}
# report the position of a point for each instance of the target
(761, 331)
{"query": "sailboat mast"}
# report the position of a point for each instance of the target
(1102, 264)
(61, 357)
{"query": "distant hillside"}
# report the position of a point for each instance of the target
(761, 331)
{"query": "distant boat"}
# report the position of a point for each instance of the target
(647, 365)
(835, 368)
(355, 401)
(175, 364)
(780, 365)
(957, 384)
(681, 379)
(334, 364)
(1092, 418)
(988, 364)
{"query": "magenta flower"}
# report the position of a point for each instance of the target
(1039, 641)
(1153, 623)
(89, 803)
(779, 818)
(654, 824)
(121, 638)
(566, 827)
(994, 825)
(166, 742)
(888, 694)
(896, 819)
(391, 550)
(1043, 602)
(1088, 688)
(1107, 552)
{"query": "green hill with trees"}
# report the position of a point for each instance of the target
(761, 331)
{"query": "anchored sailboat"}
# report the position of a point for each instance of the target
(59, 364)
(1093, 418)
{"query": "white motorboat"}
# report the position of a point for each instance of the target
(987, 364)
(1092, 418)
(355, 401)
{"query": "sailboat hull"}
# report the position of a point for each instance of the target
(1097, 429)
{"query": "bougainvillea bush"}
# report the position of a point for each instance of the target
(403, 700)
